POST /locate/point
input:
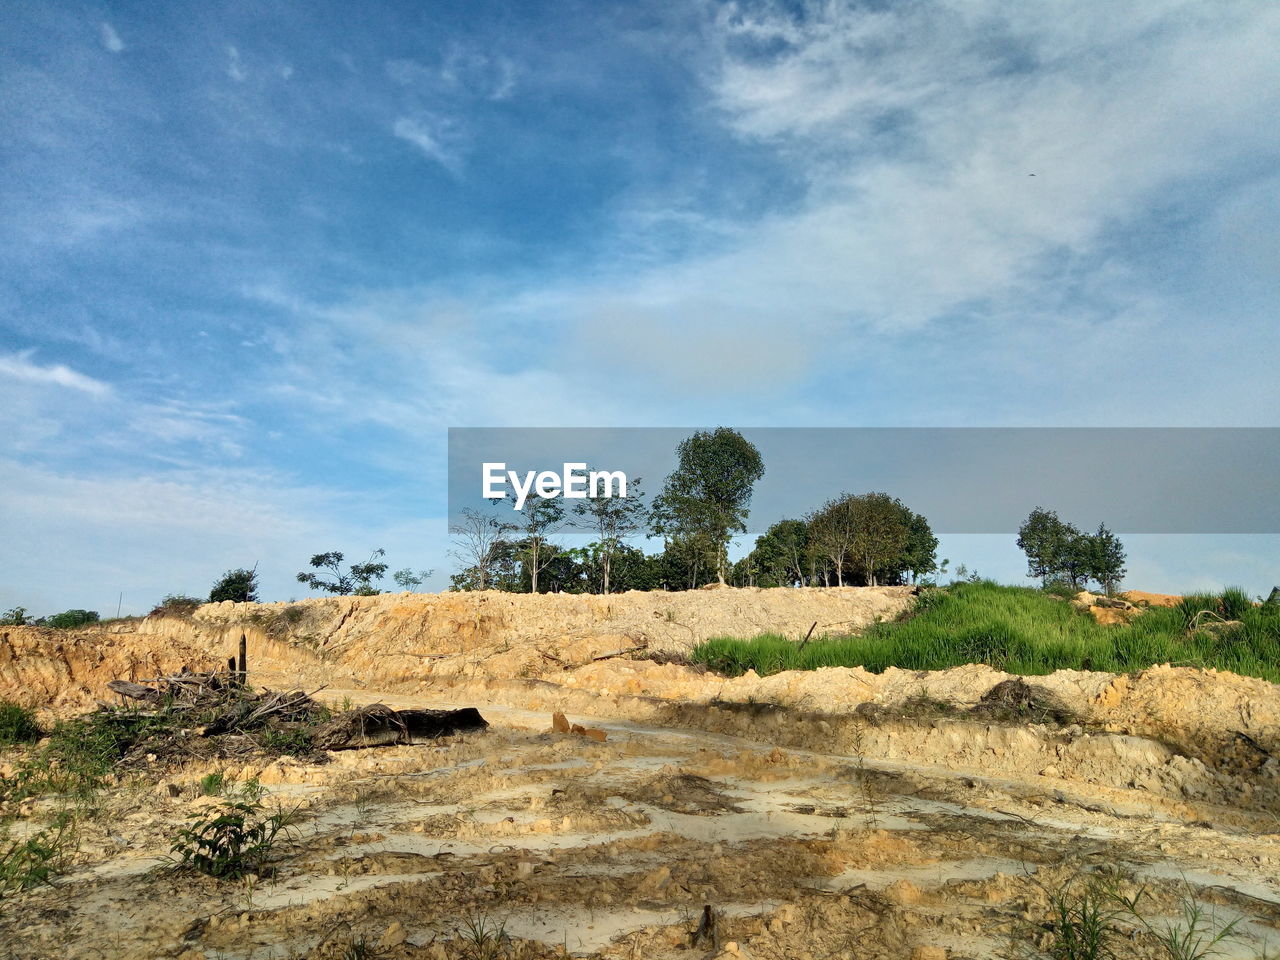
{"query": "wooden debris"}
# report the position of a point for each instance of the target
(378, 725)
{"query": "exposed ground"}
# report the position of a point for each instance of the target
(835, 813)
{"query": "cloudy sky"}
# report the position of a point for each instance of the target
(255, 259)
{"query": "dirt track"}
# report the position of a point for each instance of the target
(819, 815)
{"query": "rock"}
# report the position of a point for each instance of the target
(929, 953)
(394, 936)
(903, 892)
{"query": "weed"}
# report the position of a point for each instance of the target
(231, 843)
(482, 939)
(1084, 917)
(1199, 934)
(34, 860)
(360, 947)
(17, 724)
(212, 784)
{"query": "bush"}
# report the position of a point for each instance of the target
(17, 724)
(239, 586)
(69, 619)
(176, 605)
(14, 617)
(232, 843)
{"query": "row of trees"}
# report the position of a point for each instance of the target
(1058, 552)
(866, 539)
(869, 539)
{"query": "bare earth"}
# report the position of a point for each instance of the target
(828, 814)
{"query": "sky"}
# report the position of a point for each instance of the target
(256, 259)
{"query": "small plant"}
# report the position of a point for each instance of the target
(1083, 922)
(35, 860)
(234, 842)
(483, 939)
(212, 784)
(291, 742)
(17, 724)
(360, 947)
(1197, 937)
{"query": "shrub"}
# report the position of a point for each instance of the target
(17, 724)
(231, 843)
(240, 586)
(176, 605)
(69, 619)
(14, 617)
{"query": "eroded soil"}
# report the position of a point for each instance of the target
(617, 849)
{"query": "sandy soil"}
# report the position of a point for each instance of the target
(830, 814)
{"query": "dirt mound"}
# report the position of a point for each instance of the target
(55, 668)
(1143, 599)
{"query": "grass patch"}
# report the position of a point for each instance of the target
(33, 861)
(17, 724)
(1025, 631)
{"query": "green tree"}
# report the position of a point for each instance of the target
(779, 554)
(409, 581)
(832, 531)
(612, 520)
(881, 534)
(1107, 558)
(358, 580)
(239, 586)
(921, 555)
(706, 499)
(14, 617)
(541, 517)
(1048, 542)
(70, 619)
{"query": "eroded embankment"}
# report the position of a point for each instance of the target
(1172, 734)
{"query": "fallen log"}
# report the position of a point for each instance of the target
(134, 691)
(378, 725)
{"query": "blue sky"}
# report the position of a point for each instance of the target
(255, 259)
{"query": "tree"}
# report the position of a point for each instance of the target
(831, 534)
(779, 554)
(501, 570)
(358, 580)
(881, 533)
(1106, 559)
(14, 617)
(706, 499)
(239, 586)
(1047, 541)
(612, 520)
(69, 619)
(542, 516)
(921, 555)
(476, 540)
(409, 581)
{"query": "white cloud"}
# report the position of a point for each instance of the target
(19, 367)
(110, 39)
(437, 137)
(235, 67)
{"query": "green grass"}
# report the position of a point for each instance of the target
(1025, 631)
(17, 724)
